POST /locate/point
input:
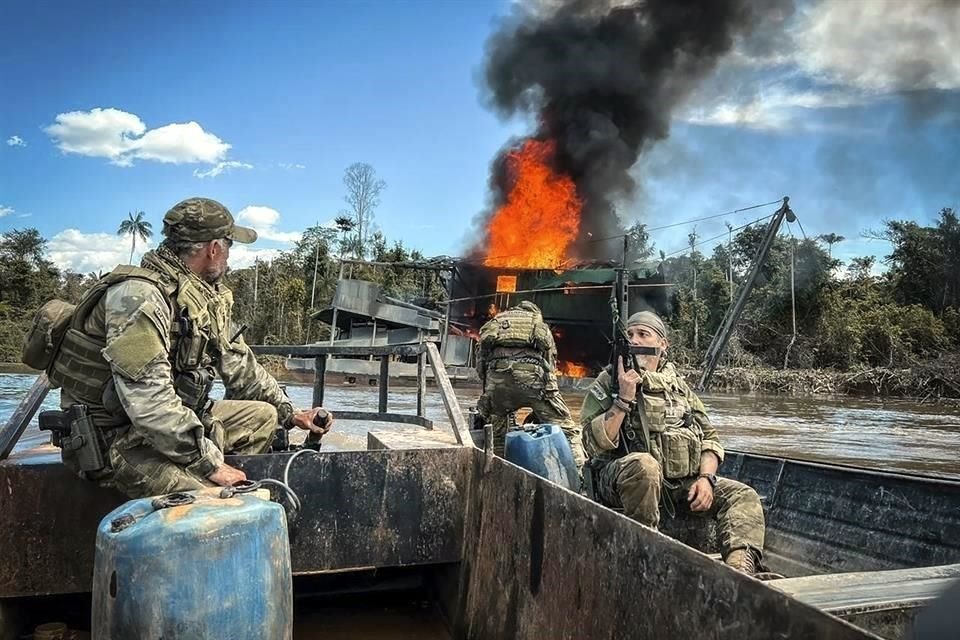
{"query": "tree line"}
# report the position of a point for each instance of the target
(845, 316)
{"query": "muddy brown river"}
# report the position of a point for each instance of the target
(899, 435)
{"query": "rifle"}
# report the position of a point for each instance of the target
(623, 350)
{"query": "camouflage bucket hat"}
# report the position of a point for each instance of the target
(202, 220)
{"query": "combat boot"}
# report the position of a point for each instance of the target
(744, 560)
(747, 560)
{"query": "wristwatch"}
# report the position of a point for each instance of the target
(711, 478)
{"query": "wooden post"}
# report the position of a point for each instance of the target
(333, 327)
(444, 337)
(450, 402)
(319, 373)
(421, 384)
(384, 375)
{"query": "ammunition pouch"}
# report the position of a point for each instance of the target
(681, 453)
(73, 430)
(193, 387)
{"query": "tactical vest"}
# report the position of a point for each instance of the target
(516, 328)
(79, 367)
(664, 415)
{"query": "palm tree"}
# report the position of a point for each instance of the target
(830, 239)
(345, 224)
(136, 227)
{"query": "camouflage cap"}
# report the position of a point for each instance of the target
(648, 319)
(202, 220)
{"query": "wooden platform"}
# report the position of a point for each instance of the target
(410, 438)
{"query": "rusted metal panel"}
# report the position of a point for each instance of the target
(543, 562)
(49, 525)
(830, 518)
(372, 508)
(360, 509)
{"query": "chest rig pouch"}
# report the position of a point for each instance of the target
(664, 413)
(193, 373)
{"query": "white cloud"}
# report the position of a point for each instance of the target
(91, 252)
(882, 45)
(292, 165)
(88, 252)
(15, 141)
(242, 256)
(834, 54)
(221, 167)
(123, 137)
(264, 220)
(5, 211)
(773, 108)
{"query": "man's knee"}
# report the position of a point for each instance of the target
(637, 482)
(638, 469)
(265, 416)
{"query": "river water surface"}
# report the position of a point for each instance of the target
(897, 435)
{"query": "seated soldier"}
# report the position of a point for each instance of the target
(141, 356)
(651, 443)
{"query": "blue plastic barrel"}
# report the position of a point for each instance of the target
(543, 450)
(213, 568)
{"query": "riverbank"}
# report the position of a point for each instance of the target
(935, 381)
(929, 382)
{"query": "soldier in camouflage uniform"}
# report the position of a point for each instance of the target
(517, 369)
(652, 447)
(142, 351)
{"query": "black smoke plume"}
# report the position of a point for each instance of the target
(603, 80)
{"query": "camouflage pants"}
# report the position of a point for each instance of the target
(635, 482)
(512, 386)
(140, 471)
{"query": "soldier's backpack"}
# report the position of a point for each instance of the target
(46, 333)
(516, 327)
(55, 318)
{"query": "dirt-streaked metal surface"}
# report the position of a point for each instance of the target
(543, 562)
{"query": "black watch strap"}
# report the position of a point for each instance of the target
(711, 478)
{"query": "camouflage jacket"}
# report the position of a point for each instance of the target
(541, 347)
(675, 418)
(141, 329)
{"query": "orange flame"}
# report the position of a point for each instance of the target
(541, 217)
(573, 369)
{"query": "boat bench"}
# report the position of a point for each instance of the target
(884, 602)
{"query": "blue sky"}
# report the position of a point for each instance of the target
(98, 101)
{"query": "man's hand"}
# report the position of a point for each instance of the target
(627, 381)
(226, 476)
(305, 420)
(700, 496)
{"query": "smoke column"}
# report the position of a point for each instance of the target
(603, 80)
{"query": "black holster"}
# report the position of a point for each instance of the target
(193, 387)
(73, 430)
